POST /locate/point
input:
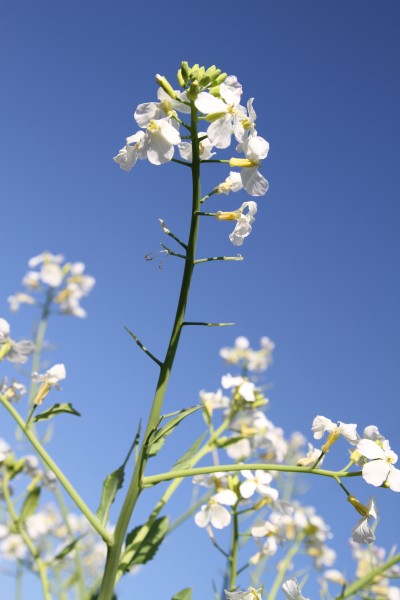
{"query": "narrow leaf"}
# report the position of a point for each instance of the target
(114, 482)
(30, 504)
(142, 543)
(156, 439)
(185, 594)
(67, 549)
(185, 461)
(55, 410)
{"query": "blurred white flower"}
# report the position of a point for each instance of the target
(16, 352)
(214, 513)
(249, 594)
(19, 298)
(292, 590)
(257, 482)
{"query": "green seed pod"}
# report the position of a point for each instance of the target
(221, 78)
(180, 79)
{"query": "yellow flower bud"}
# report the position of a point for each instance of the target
(180, 78)
(331, 439)
(360, 508)
(166, 86)
(221, 78)
(185, 70)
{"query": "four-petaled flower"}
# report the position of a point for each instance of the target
(380, 467)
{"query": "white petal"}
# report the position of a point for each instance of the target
(394, 479)
(247, 489)
(376, 472)
(220, 132)
(145, 112)
(256, 148)
(170, 134)
(231, 90)
(202, 518)
(370, 449)
(208, 104)
(362, 533)
(220, 516)
(4, 328)
(254, 183)
(227, 497)
(185, 150)
(348, 430)
(320, 425)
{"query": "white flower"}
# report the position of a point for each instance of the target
(214, 513)
(52, 376)
(158, 110)
(32, 279)
(49, 379)
(250, 594)
(255, 149)
(159, 141)
(348, 430)
(205, 147)
(292, 590)
(20, 298)
(311, 457)
(257, 483)
(334, 576)
(51, 274)
(246, 124)
(362, 533)
(269, 548)
(16, 352)
(13, 392)
(13, 548)
(244, 224)
(45, 257)
(213, 400)
(5, 450)
(380, 469)
(244, 387)
(233, 183)
(129, 154)
(225, 113)
(239, 450)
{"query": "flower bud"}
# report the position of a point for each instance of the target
(205, 80)
(210, 72)
(180, 79)
(166, 86)
(331, 439)
(215, 74)
(240, 162)
(228, 216)
(360, 508)
(185, 70)
(215, 91)
(193, 91)
(221, 78)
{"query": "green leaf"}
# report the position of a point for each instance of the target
(156, 439)
(55, 410)
(185, 462)
(67, 549)
(185, 594)
(112, 483)
(142, 543)
(30, 504)
(224, 442)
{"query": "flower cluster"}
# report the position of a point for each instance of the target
(63, 283)
(216, 97)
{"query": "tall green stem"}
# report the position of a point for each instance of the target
(284, 566)
(114, 550)
(234, 549)
(20, 528)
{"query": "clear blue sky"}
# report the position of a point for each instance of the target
(321, 269)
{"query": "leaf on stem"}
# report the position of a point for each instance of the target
(30, 504)
(67, 549)
(185, 462)
(55, 410)
(156, 439)
(142, 543)
(185, 594)
(114, 482)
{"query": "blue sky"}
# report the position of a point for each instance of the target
(320, 275)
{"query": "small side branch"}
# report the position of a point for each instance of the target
(207, 324)
(181, 162)
(145, 350)
(172, 235)
(211, 258)
(172, 253)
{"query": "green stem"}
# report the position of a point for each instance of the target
(18, 581)
(135, 488)
(352, 589)
(153, 479)
(93, 520)
(283, 567)
(77, 560)
(19, 526)
(234, 550)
